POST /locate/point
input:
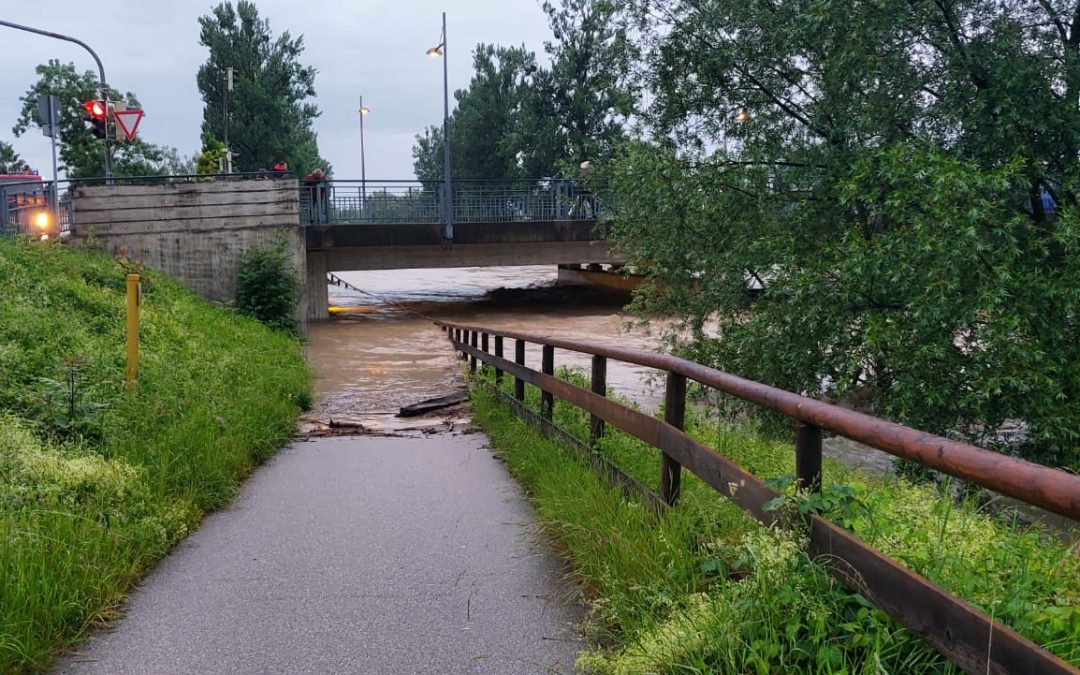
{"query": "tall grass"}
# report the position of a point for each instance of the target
(705, 589)
(99, 480)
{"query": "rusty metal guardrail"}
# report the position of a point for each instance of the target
(963, 633)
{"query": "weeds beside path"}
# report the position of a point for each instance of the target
(704, 589)
(98, 481)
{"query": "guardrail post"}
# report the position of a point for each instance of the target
(472, 357)
(484, 348)
(498, 354)
(808, 456)
(131, 372)
(547, 365)
(599, 386)
(465, 340)
(675, 415)
(519, 358)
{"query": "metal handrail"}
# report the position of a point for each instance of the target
(969, 637)
(1051, 489)
(365, 202)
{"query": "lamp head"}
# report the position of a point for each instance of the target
(364, 110)
(435, 52)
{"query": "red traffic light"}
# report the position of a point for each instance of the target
(96, 109)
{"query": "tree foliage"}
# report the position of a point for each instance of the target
(588, 90)
(209, 159)
(270, 114)
(520, 120)
(902, 181)
(485, 122)
(81, 154)
(10, 162)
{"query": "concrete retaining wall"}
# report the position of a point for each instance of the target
(194, 232)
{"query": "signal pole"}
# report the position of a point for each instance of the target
(104, 84)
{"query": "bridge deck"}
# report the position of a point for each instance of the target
(364, 555)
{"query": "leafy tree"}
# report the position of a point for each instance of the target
(270, 116)
(901, 178)
(10, 162)
(484, 122)
(428, 154)
(519, 120)
(81, 154)
(209, 160)
(587, 91)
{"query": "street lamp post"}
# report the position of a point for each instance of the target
(225, 117)
(448, 192)
(104, 85)
(364, 110)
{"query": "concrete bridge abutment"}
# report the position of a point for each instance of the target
(315, 295)
(197, 231)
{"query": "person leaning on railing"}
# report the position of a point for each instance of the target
(584, 201)
(318, 194)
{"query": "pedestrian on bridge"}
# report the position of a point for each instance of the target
(317, 189)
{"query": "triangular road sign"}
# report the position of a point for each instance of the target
(128, 121)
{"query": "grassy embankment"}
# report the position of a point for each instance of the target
(705, 589)
(98, 481)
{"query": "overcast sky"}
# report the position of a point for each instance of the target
(370, 47)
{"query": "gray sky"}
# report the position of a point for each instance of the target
(370, 47)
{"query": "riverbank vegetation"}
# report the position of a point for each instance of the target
(706, 589)
(901, 182)
(871, 202)
(99, 480)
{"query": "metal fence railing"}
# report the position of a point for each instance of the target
(335, 202)
(388, 202)
(969, 637)
(35, 208)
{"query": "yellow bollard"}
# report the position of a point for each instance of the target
(132, 328)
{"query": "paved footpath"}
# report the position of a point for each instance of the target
(356, 555)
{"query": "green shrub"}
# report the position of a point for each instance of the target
(268, 286)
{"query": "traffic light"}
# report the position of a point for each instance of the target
(99, 118)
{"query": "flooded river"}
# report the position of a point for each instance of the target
(381, 351)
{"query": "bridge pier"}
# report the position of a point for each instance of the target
(594, 275)
(316, 294)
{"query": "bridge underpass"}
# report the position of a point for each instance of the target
(380, 225)
(195, 229)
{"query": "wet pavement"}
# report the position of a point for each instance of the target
(355, 555)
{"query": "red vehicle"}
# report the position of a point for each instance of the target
(24, 204)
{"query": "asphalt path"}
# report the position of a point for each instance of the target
(354, 555)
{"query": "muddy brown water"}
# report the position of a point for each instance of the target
(381, 350)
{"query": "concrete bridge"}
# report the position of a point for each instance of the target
(196, 229)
